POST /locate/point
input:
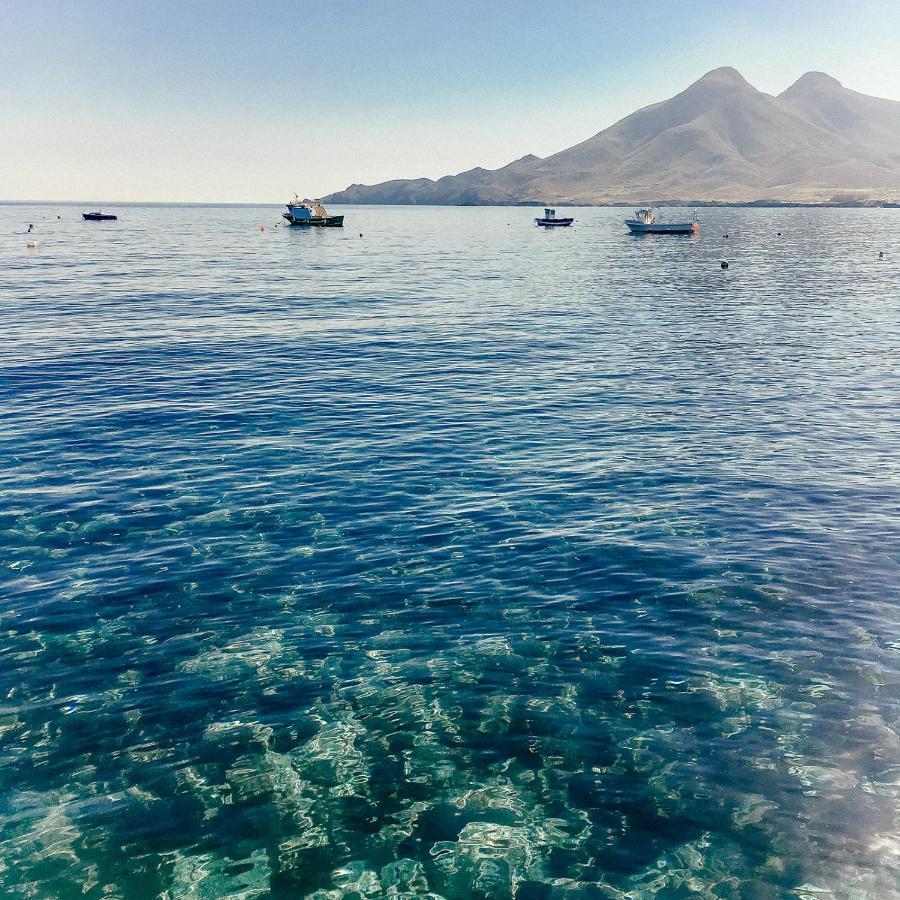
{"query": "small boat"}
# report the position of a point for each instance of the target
(99, 217)
(644, 222)
(310, 212)
(549, 219)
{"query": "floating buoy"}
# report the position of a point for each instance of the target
(360, 234)
(881, 254)
(262, 227)
(723, 264)
(779, 234)
(31, 245)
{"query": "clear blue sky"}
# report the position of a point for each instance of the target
(228, 101)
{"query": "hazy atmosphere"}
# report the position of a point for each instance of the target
(232, 102)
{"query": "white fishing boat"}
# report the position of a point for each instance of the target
(645, 222)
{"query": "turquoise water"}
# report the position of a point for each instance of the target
(460, 559)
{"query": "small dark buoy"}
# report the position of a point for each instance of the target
(59, 217)
(881, 254)
(360, 234)
(779, 234)
(723, 264)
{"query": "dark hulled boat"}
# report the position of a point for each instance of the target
(549, 219)
(99, 217)
(311, 212)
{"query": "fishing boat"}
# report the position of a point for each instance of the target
(549, 219)
(99, 217)
(644, 222)
(310, 212)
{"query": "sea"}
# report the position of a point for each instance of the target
(446, 556)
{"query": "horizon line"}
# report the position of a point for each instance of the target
(760, 202)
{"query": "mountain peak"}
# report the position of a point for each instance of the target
(811, 81)
(724, 76)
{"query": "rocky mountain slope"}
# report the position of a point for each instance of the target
(719, 140)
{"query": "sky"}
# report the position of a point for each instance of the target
(227, 101)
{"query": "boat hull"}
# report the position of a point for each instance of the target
(637, 227)
(317, 221)
(554, 223)
(99, 217)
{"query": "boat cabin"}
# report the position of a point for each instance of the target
(307, 209)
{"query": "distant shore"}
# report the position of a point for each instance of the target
(775, 204)
(763, 204)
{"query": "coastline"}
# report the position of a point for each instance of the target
(534, 204)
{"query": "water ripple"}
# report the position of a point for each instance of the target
(458, 560)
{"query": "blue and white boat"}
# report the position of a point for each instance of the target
(644, 222)
(549, 219)
(310, 212)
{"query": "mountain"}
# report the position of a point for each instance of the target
(868, 123)
(719, 140)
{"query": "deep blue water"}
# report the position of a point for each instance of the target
(460, 557)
